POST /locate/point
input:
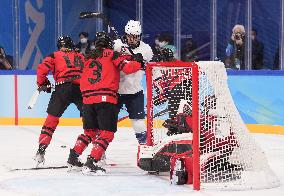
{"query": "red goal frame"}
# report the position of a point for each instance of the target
(195, 111)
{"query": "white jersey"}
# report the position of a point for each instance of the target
(132, 83)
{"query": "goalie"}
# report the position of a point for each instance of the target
(215, 147)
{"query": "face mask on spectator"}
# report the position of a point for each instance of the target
(83, 40)
(253, 37)
(162, 44)
(156, 42)
(93, 47)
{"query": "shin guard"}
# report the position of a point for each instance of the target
(48, 129)
(84, 140)
(101, 143)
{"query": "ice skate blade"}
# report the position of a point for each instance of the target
(88, 172)
(72, 168)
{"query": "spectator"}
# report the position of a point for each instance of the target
(228, 63)
(84, 44)
(162, 41)
(165, 40)
(156, 48)
(236, 47)
(257, 51)
(189, 51)
(6, 61)
(276, 60)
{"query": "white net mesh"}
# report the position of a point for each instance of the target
(229, 156)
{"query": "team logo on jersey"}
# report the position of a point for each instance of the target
(104, 98)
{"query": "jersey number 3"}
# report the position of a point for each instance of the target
(97, 69)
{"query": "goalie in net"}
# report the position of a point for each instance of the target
(200, 138)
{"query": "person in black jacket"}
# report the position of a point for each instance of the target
(84, 45)
(6, 61)
(257, 51)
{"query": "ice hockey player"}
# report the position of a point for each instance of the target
(130, 88)
(66, 66)
(99, 86)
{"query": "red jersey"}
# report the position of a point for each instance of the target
(63, 65)
(100, 77)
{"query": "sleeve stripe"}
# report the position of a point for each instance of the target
(48, 66)
(121, 65)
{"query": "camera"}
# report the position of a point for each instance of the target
(238, 36)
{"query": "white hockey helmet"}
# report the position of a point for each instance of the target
(133, 27)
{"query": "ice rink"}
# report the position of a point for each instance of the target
(19, 145)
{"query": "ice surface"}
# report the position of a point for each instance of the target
(18, 145)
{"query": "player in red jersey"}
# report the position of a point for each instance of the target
(99, 86)
(66, 66)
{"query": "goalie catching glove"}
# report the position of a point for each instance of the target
(177, 126)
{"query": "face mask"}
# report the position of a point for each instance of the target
(253, 37)
(83, 40)
(156, 42)
(92, 47)
(162, 44)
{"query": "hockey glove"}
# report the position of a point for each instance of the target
(139, 58)
(46, 87)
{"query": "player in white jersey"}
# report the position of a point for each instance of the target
(130, 87)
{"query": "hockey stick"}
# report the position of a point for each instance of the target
(158, 114)
(106, 21)
(38, 168)
(35, 95)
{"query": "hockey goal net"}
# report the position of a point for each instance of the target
(189, 105)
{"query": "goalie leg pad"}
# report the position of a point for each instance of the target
(101, 143)
(48, 129)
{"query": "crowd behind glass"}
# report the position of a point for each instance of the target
(234, 53)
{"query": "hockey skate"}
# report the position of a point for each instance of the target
(141, 137)
(93, 168)
(73, 162)
(102, 163)
(39, 157)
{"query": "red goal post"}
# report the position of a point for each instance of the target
(194, 76)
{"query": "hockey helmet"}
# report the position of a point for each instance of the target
(66, 42)
(132, 34)
(133, 28)
(103, 40)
